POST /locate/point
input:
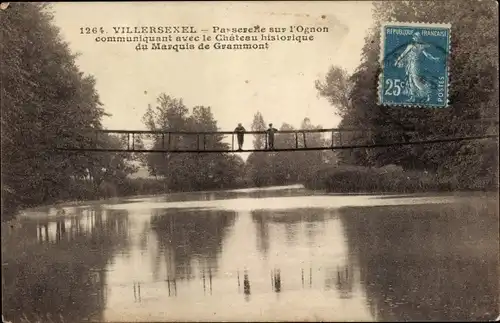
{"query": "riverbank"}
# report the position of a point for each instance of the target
(344, 179)
(141, 188)
(391, 179)
(84, 192)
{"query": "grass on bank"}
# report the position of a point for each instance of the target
(390, 179)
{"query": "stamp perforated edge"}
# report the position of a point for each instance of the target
(382, 56)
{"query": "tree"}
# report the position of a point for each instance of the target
(258, 124)
(286, 167)
(284, 163)
(337, 88)
(258, 164)
(47, 103)
(310, 161)
(473, 94)
(186, 172)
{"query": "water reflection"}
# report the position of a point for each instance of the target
(137, 292)
(418, 262)
(205, 281)
(345, 281)
(185, 235)
(56, 269)
(277, 280)
(292, 220)
(262, 232)
(427, 262)
(278, 191)
(172, 287)
(246, 286)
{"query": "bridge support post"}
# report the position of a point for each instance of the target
(296, 140)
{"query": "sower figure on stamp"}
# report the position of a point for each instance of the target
(270, 136)
(240, 133)
(418, 86)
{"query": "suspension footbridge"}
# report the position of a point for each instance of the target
(144, 141)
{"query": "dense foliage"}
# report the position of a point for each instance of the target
(473, 97)
(47, 102)
(271, 168)
(390, 179)
(187, 172)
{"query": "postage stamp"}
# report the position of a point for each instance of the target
(414, 59)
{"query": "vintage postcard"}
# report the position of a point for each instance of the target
(249, 161)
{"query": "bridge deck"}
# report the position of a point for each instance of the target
(289, 140)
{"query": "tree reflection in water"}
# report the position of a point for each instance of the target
(246, 286)
(56, 269)
(277, 280)
(427, 262)
(290, 219)
(234, 194)
(313, 222)
(185, 235)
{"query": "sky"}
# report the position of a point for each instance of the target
(278, 82)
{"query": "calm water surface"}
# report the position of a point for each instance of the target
(279, 254)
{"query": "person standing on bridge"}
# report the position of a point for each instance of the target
(240, 133)
(270, 136)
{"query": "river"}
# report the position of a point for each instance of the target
(276, 254)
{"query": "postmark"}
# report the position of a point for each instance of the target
(414, 58)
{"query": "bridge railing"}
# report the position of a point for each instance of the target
(227, 141)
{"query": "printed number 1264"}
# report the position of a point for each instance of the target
(94, 30)
(393, 87)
